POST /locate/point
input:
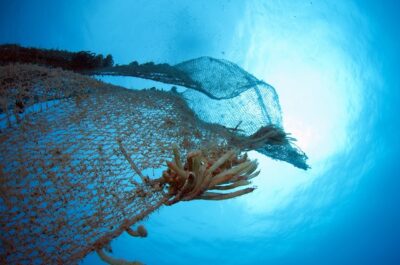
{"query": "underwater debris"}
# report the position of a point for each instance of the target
(71, 162)
(211, 82)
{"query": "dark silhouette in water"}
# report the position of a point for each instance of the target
(75, 61)
(86, 62)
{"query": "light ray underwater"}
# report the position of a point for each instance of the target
(199, 132)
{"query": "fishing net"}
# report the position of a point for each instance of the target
(227, 95)
(72, 150)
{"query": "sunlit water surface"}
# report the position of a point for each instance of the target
(337, 92)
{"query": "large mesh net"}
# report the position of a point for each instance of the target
(68, 184)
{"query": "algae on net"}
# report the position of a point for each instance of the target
(72, 152)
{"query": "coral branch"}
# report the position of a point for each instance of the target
(132, 164)
(140, 232)
(233, 185)
(177, 156)
(220, 161)
(224, 196)
(113, 261)
(203, 171)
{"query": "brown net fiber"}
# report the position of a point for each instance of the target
(81, 161)
(66, 187)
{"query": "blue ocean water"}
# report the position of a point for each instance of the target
(334, 66)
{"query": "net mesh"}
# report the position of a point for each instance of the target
(229, 96)
(66, 186)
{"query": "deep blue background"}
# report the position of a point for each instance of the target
(349, 213)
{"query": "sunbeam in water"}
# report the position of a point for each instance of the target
(333, 65)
